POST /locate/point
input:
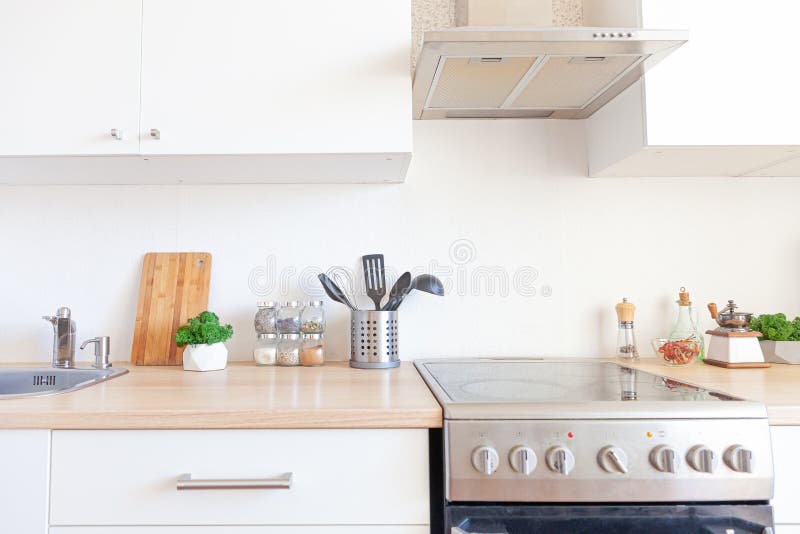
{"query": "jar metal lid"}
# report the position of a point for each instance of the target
(315, 303)
(291, 304)
(266, 304)
(289, 336)
(267, 336)
(312, 336)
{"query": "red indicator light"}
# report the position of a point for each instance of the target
(570, 435)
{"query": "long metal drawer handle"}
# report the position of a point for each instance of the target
(186, 482)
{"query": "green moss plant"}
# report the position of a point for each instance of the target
(204, 328)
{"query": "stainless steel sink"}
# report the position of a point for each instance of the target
(35, 381)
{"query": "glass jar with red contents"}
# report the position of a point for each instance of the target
(685, 343)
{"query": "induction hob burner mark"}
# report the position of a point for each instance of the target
(514, 390)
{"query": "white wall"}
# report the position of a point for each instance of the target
(514, 189)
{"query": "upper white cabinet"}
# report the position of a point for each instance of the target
(234, 91)
(733, 82)
(70, 75)
(256, 76)
(723, 104)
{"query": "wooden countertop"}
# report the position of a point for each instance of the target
(241, 396)
(332, 396)
(778, 386)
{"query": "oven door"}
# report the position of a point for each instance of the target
(609, 519)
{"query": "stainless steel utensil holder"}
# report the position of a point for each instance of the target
(373, 339)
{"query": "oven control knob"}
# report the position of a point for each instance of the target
(485, 459)
(613, 460)
(560, 459)
(739, 459)
(702, 459)
(665, 459)
(522, 459)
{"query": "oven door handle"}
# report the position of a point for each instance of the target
(456, 530)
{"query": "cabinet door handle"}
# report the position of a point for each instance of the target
(186, 482)
(155, 133)
(116, 134)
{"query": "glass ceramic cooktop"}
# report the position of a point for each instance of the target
(530, 381)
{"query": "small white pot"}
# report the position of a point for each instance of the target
(205, 357)
(781, 351)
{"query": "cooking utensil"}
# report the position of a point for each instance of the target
(334, 292)
(729, 318)
(374, 278)
(423, 282)
(174, 287)
(345, 282)
(429, 284)
(401, 286)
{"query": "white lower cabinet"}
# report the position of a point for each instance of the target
(24, 468)
(785, 444)
(342, 481)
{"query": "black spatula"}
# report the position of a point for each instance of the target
(374, 277)
(398, 291)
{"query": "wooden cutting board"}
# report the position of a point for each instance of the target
(174, 287)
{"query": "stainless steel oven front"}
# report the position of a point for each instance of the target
(570, 446)
(610, 476)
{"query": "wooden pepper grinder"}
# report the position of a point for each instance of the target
(626, 339)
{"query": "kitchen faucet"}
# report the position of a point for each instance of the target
(64, 342)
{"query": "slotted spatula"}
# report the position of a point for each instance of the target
(374, 277)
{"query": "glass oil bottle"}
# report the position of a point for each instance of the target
(685, 344)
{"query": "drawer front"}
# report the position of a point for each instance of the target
(339, 477)
(367, 529)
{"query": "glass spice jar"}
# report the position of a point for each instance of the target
(312, 350)
(288, 350)
(289, 317)
(266, 349)
(265, 319)
(312, 319)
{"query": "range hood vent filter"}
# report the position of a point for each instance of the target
(572, 82)
(475, 83)
(562, 73)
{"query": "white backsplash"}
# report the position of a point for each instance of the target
(503, 199)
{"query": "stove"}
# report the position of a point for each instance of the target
(531, 436)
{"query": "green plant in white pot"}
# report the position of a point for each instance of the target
(781, 338)
(204, 339)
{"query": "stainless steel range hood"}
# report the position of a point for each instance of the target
(532, 72)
